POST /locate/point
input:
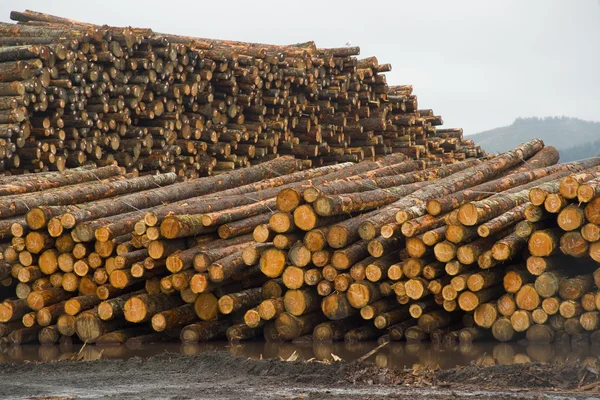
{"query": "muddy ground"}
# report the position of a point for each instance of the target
(219, 375)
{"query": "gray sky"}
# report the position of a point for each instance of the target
(478, 63)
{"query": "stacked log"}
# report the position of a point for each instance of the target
(72, 93)
(445, 261)
(108, 256)
(498, 248)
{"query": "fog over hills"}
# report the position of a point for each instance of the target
(574, 138)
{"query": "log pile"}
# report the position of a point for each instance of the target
(393, 249)
(72, 240)
(504, 249)
(72, 92)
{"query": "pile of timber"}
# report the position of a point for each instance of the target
(73, 93)
(394, 249)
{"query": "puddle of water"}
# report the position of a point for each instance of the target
(395, 354)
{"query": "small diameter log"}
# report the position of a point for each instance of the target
(590, 321)
(469, 253)
(362, 333)
(590, 232)
(226, 267)
(503, 221)
(397, 331)
(515, 279)
(538, 265)
(23, 336)
(445, 251)
(484, 279)
(114, 308)
(252, 318)
(509, 247)
(343, 259)
(539, 316)
(378, 307)
(49, 335)
(589, 190)
(575, 287)
(49, 315)
(415, 334)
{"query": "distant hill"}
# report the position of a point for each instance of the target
(574, 138)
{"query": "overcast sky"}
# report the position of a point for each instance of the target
(478, 63)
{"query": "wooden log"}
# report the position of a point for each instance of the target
(179, 316)
(241, 300)
(336, 306)
(204, 331)
(290, 327)
(332, 331)
(142, 307)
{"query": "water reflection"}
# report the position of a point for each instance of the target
(395, 354)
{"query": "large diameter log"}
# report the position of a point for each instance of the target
(290, 327)
(483, 190)
(142, 307)
(241, 300)
(497, 224)
(332, 331)
(544, 243)
(337, 307)
(546, 157)
(12, 310)
(204, 331)
(176, 317)
(469, 301)
(206, 306)
(83, 192)
(360, 294)
(114, 308)
(300, 302)
(573, 244)
(40, 299)
(89, 327)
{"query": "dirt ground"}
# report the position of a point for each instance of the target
(219, 375)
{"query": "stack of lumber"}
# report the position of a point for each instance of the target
(72, 92)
